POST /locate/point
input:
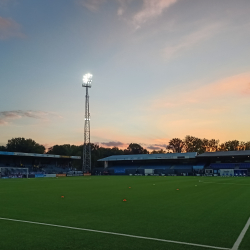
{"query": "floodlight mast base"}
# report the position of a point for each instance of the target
(86, 166)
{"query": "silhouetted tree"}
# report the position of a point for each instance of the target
(65, 149)
(135, 148)
(194, 144)
(161, 151)
(245, 145)
(230, 146)
(176, 145)
(211, 145)
(24, 145)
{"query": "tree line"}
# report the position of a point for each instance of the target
(175, 145)
(195, 144)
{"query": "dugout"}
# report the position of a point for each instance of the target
(151, 164)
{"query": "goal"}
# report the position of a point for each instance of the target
(209, 172)
(148, 171)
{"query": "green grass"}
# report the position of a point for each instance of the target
(211, 213)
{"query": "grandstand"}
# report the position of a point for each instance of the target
(14, 164)
(227, 163)
(209, 163)
(153, 164)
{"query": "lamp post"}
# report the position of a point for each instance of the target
(86, 165)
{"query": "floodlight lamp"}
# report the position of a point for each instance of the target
(87, 80)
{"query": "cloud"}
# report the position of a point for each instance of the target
(209, 110)
(233, 87)
(120, 11)
(246, 89)
(151, 9)
(9, 28)
(123, 6)
(114, 144)
(191, 40)
(7, 116)
(92, 5)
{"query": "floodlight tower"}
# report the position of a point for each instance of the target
(86, 166)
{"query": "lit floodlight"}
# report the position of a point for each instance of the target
(87, 80)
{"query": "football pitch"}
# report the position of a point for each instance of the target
(89, 213)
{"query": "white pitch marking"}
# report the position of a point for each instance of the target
(126, 235)
(241, 236)
(226, 183)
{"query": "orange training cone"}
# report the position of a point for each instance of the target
(124, 200)
(129, 187)
(177, 189)
(62, 196)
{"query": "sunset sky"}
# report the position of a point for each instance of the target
(161, 69)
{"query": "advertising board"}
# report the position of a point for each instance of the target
(39, 175)
(119, 170)
(50, 175)
(60, 175)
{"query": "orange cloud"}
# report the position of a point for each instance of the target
(215, 110)
(237, 87)
(9, 28)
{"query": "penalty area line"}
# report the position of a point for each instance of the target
(241, 236)
(119, 234)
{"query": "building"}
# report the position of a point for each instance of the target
(227, 163)
(168, 164)
(210, 163)
(12, 163)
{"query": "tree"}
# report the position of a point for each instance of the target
(244, 145)
(230, 146)
(161, 151)
(2, 148)
(194, 144)
(135, 148)
(176, 145)
(65, 149)
(24, 145)
(247, 145)
(211, 145)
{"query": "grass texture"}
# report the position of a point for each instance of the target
(205, 210)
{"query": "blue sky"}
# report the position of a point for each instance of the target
(162, 69)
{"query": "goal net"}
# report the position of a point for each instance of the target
(209, 172)
(148, 171)
(10, 172)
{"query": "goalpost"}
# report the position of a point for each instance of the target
(148, 171)
(209, 172)
(11, 172)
